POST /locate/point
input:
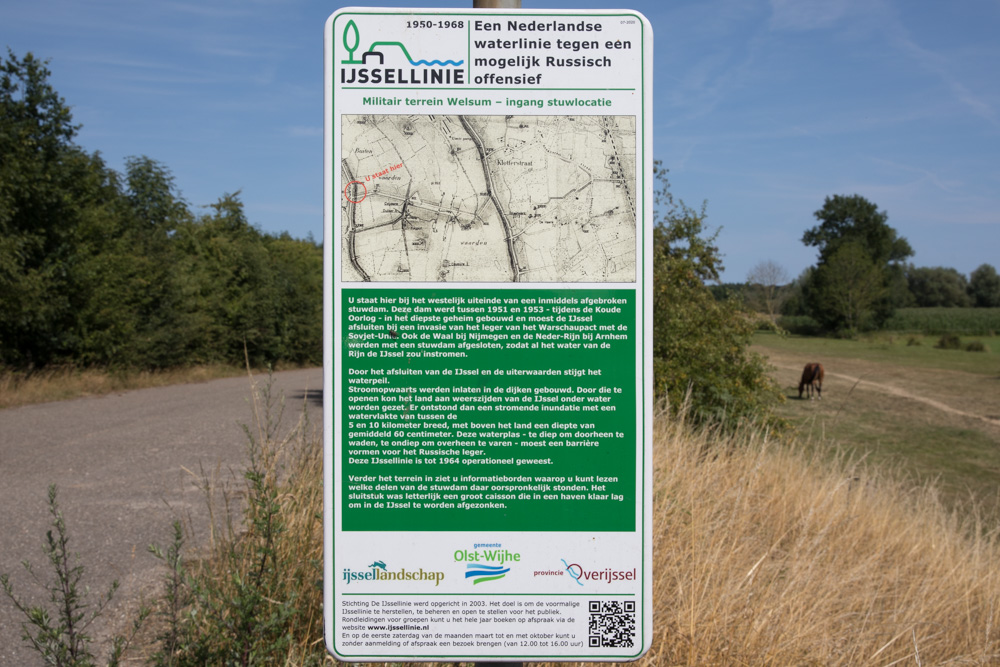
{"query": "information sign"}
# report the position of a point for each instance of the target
(488, 392)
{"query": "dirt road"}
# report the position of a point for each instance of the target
(901, 392)
(123, 466)
(970, 397)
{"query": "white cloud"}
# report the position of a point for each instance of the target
(940, 66)
(925, 177)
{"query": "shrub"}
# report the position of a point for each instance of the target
(949, 341)
(802, 325)
(60, 635)
(975, 346)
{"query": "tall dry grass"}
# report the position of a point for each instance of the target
(762, 556)
(254, 595)
(62, 383)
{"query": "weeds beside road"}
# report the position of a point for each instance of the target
(126, 466)
(60, 384)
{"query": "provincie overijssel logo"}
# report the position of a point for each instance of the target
(605, 575)
(371, 67)
(378, 571)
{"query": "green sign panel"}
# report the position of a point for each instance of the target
(488, 409)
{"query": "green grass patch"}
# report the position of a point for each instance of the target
(905, 350)
(802, 325)
(903, 403)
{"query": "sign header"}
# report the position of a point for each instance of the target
(483, 49)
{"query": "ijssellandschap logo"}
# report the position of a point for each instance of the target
(607, 575)
(391, 63)
(378, 571)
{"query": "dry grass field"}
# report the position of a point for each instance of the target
(767, 551)
(767, 554)
(60, 384)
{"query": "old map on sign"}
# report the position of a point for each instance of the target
(488, 198)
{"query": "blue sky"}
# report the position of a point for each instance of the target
(762, 108)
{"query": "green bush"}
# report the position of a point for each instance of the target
(802, 325)
(949, 341)
(701, 346)
(975, 346)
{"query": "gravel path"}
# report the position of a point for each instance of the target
(126, 466)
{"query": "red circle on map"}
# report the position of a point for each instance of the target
(348, 197)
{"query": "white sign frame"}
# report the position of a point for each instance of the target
(378, 581)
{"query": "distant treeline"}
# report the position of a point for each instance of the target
(101, 268)
(917, 287)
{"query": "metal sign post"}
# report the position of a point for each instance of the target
(496, 4)
(488, 423)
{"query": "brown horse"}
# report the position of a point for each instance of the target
(812, 379)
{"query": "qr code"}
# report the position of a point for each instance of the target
(612, 624)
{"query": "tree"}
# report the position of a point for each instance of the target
(155, 205)
(796, 303)
(132, 301)
(937, 287)
(849, 285)
(765, 281)
(298, 275)
(229, 286)
(105, 269)
(856, 222)
(49, 188)
(984, 287)
(846, 218)
(701, 346)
